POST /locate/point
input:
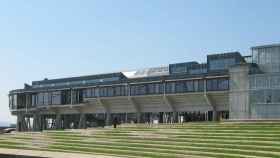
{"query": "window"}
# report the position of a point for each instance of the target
(221, 64)
(66, 97)
(110, 91)
(217, 84)
(180, 87)
(189, 86)
(87, 93)
(223, 84)
(170, 87)
(34, 99)
(120, 91)
(10, 101)
(275, 96)
(56, 98)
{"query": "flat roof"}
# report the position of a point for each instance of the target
(266, 46)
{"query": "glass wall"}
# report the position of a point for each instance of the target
(181, 67)
(221, 64)
(51, 98)
(185, 86)
(217, 84)
(64, 97)
(264, 81)
(146, 89)
(105, 91)
(13, 101)
(268, 58)
(80, 82)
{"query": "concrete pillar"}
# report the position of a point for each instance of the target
(215, 115)
(37, 125)
(82, 122)
(108, 118)
(138, 117)
(58, 121)
(175, 117)
(239, 102)
(19, 124)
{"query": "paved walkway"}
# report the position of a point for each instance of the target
(49, 154)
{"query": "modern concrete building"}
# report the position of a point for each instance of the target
(227, 86)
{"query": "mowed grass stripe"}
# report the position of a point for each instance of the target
(202, 142)
(178, 149)
(115, 150)
(157, 152)
(193, 138)
(77, 136)
(235, 144)
(184, 140)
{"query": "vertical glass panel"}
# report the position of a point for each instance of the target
(180, 87)
(56, 98)
(189, 86)
(276, 96)
(170, 87)
(110, 91)
(34, 99)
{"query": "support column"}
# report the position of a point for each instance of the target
(108, 118)
(210, 103)
(82, 122)
(107, 110)
(19, 123)
(58, 121)
(169, 103)
(37, 126)
(136, 107)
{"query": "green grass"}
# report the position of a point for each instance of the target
(258, 140)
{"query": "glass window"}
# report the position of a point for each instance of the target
(110, 91)
(40, 98)
(221, 64)
(56, 98)
(212, 85)
(170, 87)
(200, 85)
(223, 84)
(257, 96)
(10, 101)
(180, 87)
(34, 100)
(189, 86)
(275, 96)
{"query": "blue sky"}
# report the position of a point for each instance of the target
(64, 38)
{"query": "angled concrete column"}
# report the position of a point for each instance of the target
(169, 103)
(210, 103)
(107, 110)
(19, 122)
(82, 122)
(136, 107)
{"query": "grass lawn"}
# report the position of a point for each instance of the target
(228, 140)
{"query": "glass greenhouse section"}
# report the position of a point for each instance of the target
(265, 88)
